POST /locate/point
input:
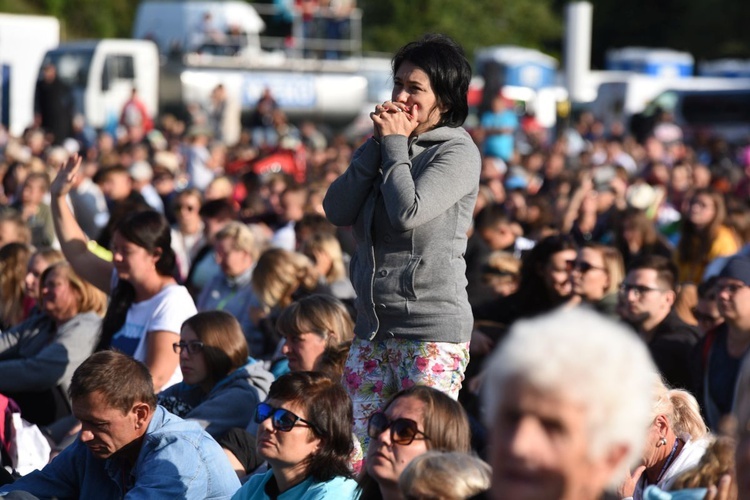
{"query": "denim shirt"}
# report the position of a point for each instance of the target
(177, 460)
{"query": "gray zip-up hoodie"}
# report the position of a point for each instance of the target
(410, 202)
(231, 403)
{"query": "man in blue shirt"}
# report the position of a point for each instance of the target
(128, 446)
(499, 124)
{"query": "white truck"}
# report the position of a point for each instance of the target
(23, 42)
(174, 64)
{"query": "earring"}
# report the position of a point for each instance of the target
(662, 442)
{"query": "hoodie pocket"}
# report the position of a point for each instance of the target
(409, 278)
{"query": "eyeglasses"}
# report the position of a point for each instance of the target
(704, 317)
(192, 347)
(581, 265)
(638, 290)
(403, 430)
(732, 288)
(281, 419)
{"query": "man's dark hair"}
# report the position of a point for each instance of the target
(120, 379)
(218, 209)
(666, 270)
(491, 216)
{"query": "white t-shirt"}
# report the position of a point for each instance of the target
(165, 311)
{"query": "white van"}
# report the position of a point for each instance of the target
(722, 113)
(103, 73)
(620, 100)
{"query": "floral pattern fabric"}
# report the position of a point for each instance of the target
(377, 370)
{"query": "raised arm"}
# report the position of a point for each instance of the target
(73, 241)
(161, 359)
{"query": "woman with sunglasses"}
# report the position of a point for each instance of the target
(305, 435)
(596, 274)
(414, 421)
(221, 385)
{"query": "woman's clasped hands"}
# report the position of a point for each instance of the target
(394, 118)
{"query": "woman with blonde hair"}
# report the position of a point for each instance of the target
(14, 259)
(596, 274)
(310, 326)
(236, 250)
(676, 441)
(40, 355)
(280, 277)
(445, 475)
(324, 250)
(502, 273)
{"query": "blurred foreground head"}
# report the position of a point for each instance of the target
(568, 397)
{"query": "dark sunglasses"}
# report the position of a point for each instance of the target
(192, 347)
(403, 430)
(581, 265)
(281, 419)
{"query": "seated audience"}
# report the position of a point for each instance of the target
(38, 356)
(694, 484)
(310, 326)
(147, 306)
(279, 278)
(305, 435)
(236, 251)
(501, 273)
(187, 234)
(445, 475)
(39, 261)
(221, 385)
(706, 310)
(129, 447)
(723, 372)
(34, 211)
(647, 298)
(704, 235)
(14, 259)
(596, 274)
(677, 439)
(556, 430)
(413, 422)
(324, 250)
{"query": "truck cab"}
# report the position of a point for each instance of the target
(103, 73)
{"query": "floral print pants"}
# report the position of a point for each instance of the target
(376, 370)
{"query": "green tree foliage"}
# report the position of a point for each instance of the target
(388, 24)
(706, 29)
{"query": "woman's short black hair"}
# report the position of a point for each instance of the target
(448, 69)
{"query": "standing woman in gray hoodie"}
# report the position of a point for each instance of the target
(409, 194)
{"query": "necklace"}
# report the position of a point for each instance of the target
(669, 461)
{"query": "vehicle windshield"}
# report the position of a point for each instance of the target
(72, 65)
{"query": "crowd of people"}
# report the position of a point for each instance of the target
(425, 312)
